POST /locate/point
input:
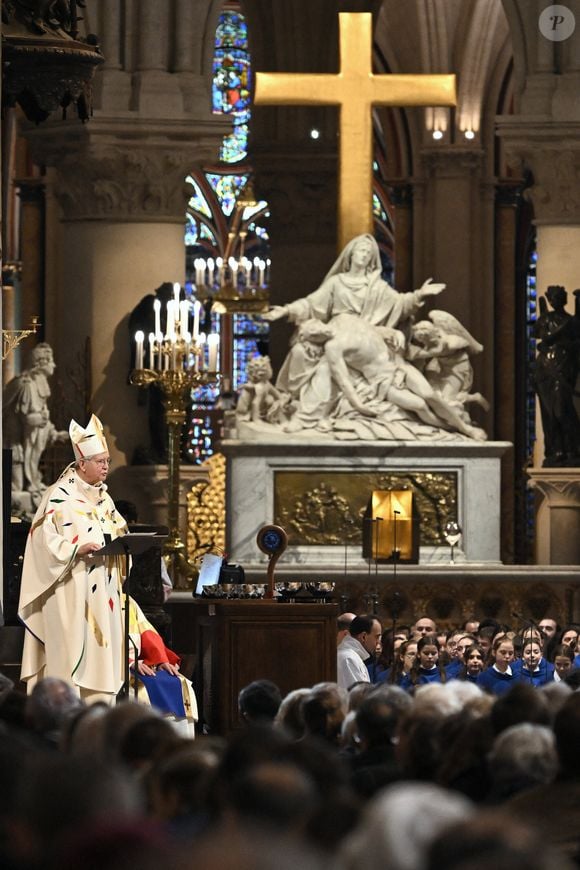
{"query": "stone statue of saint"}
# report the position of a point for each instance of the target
(556, 373)
(348, 371)
(27, 428)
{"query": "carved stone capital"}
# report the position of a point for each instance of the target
(560, 487)
(112, 183)
(119, 174)
(551, 151)
(449, 161)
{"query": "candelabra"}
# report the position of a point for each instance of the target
(11, 338)
(235, 283)
(177, 363)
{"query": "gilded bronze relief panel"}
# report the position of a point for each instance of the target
(328, 508)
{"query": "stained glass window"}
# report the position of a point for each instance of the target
(251, 337)
(530, 410)
(210, 212)
(227, 188)
(201, 434)
(232, 82)
(531, 315)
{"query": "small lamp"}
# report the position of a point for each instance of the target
(396, 537)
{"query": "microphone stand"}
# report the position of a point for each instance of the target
(128, 545)
(394, 618)
(344, 596)
(375, 594)
(395, 551)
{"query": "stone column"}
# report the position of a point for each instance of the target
(113, 84)
(558, 517)
(31, 192)
(506, 424)
(156, 90)
(123, 203)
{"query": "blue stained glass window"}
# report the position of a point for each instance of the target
(378, 209)
(200, 436)
(261, 232)
(235, 145)
(210, 213)
(232, 82)
(530, 427)
(227, 188)
(531, 315)
(248, 331)
(198, 201)
(191, 233)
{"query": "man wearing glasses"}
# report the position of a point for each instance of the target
(70, 599)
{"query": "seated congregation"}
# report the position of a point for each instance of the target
(400, 770)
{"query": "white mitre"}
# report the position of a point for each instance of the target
(90, 441)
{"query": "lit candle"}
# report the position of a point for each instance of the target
(261, 269)
(157, 310)
(212, 345)
(220, 269)
(268, 264)
(139, 336)
(200, 364)
(210, 268)
(176, 295)
(187, 350)
(151, 350)
(170, 333)
(184, 316)
(196, 310)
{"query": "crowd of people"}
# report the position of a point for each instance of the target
(395, 771)
(491, 655)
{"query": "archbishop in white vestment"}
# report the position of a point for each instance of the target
(70, 600)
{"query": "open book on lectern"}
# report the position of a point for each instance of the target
(132, 544)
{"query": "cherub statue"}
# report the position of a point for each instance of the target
(260, 401)
(442, 347)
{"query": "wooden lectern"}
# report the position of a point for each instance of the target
(236, 642)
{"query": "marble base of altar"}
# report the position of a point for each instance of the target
(258, 471)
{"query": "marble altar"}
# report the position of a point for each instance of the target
(253, 470)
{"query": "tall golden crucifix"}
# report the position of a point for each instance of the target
(355, 89)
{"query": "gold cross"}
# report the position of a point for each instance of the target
(356, 90)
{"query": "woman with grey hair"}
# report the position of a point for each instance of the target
(399, 825)
(522, 757)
